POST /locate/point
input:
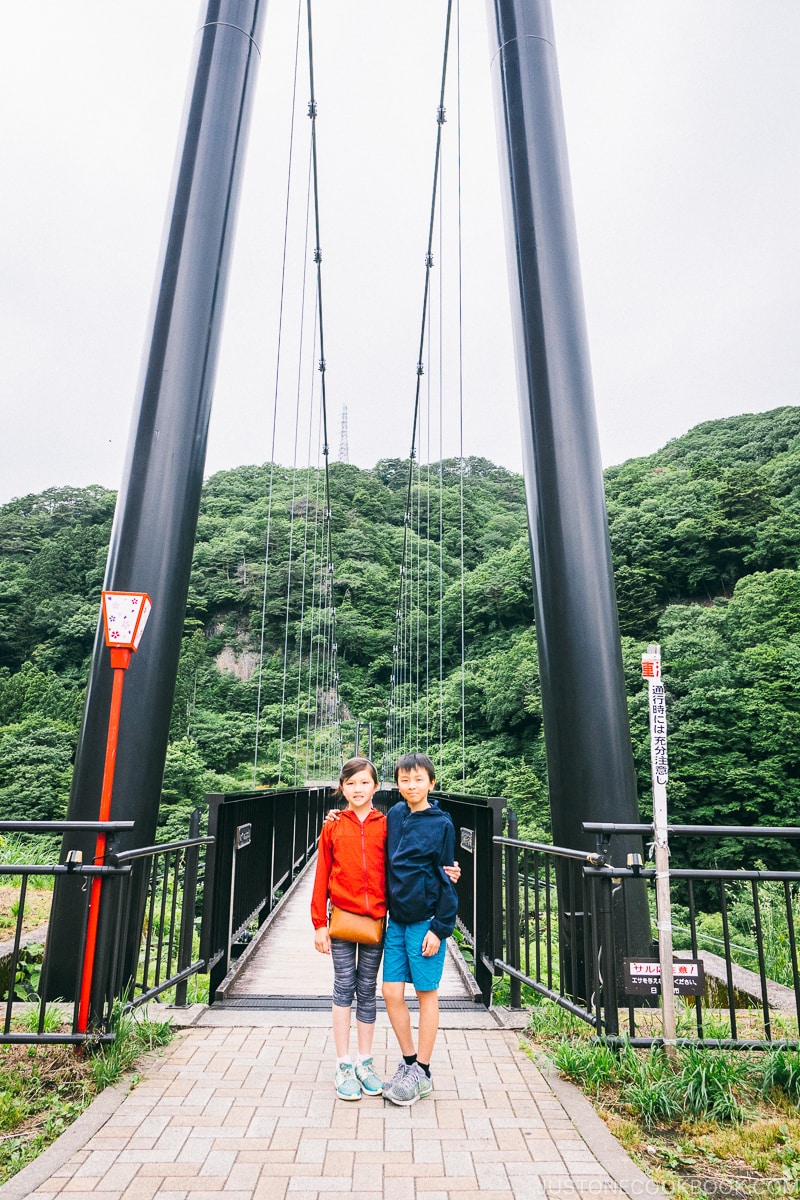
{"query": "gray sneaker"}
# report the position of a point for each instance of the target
(425, 1085)
(410, 1087)
(398, 1075)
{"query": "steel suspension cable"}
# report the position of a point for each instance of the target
(302, 626)
(461, 399)
(275, 399)
(441, 497)
(395, 695)
(312, 112)
(292, 514)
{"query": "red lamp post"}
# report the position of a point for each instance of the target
(125, 616)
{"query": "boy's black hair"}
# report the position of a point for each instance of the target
(409, 761)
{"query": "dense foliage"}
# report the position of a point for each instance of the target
(706, 542)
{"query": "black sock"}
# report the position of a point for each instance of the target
(409, 1059)
(426, 1067)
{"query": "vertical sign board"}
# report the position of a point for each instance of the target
(659, 765)
(659, 762)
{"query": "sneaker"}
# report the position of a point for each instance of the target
(425, 1085)
(409, 1088)
(347, 1086)
(365, 1074)
(402, 1067)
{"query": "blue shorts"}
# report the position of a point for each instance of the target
(403, 961)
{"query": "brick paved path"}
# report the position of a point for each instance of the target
(243, 1103)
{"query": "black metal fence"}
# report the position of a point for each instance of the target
(262, 840)
(546, 946)
(738, 948)
(37, 1021)
(165, 960)
(550, 918)
(166, 949)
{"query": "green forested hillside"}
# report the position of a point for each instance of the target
(706, 542)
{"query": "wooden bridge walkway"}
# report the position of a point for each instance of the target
(283, 972)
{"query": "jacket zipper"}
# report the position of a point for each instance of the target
(364, 864)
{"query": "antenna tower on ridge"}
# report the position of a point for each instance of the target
(344, 448)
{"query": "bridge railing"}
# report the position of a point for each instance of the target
(165, 960)
(27, 1017)
(166, 957)
(736, 930)
(546, 946)
(262, 840)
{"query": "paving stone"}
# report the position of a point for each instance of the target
(397, 1139)
(322, 1186)
(367, 1177)
(398, 1188)
(175, 1171)
(427, 1151)
(492, 1177)
(456, 1164)
(272, 1188)
(311, 1151)
(117, 1179)
(337, 1162)
(244, 1106)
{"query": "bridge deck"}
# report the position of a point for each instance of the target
(285, 971)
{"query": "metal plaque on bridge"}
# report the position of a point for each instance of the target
(468, 840)
(244, 835)
(642, 977)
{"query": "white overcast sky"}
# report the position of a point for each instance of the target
(682, 124)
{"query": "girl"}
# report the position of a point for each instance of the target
(351, 872)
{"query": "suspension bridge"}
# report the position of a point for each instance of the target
(243, 1100)
(590, 764)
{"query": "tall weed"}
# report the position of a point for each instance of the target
(709, 1081)
(781, 1073)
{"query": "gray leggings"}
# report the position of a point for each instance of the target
(355, 973)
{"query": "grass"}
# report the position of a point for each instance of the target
(44, 1088)
(713, 1121)
(32, 852)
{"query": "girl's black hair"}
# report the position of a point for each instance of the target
(353, 766)
(350, 768)
(409, 761)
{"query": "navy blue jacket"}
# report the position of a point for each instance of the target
(418, 844)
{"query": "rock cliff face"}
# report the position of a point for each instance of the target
(242, 664)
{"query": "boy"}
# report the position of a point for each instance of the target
(423, 904)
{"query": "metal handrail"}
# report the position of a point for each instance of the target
(64, 826)
(162, 848)
(781, 831)
(592, 857)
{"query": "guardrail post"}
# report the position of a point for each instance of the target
(190, 870)
(605, 968)
(512, 910)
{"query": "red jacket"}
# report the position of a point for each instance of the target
(351, 866)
